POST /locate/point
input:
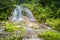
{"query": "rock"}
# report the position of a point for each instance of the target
(2, 26)
(43, 26)
(34, 39)
(1, 31)
(17, 33)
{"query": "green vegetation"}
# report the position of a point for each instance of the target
(15, 32)
(11, 38)
(54, 23)
(49, 35)
(10, 27)
(45, 11)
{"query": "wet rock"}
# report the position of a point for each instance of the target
(17, 33)
(1, 31)
(2, 26)
(34, 39)
(30, 33)
(44, 26)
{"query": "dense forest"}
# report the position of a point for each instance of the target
(44, 11)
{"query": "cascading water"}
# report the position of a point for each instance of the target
(17, 14)
(29, 14)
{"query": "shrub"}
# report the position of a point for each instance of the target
(4, 14)
(10, 27)
(40, 13)
(50, 35)
(58, 13)
(11, 38)
(54, 23)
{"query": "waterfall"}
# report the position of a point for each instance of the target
(29, 14)
(17, 14)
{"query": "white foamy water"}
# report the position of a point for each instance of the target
(17, 14)
(29, 14)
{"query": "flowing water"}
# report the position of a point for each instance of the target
(17, 14)
(29, 14)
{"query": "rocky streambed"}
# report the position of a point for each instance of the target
(30, 33)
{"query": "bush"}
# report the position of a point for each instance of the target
(40, 13)
(11, 38)
(11, 28)
(58, 13)
(50, 35)
(5, 13)
(54, 23)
